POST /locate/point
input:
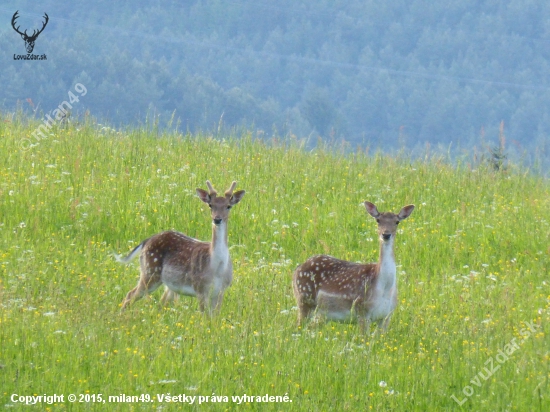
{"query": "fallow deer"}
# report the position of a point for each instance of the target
(342, 290)
(187, 266)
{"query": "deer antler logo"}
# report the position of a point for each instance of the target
(29, 40)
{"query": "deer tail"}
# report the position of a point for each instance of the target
(136, 251)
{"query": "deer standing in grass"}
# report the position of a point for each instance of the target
(187, 266)
(344, 290)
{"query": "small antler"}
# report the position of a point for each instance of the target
(13, 19)
(211, 189)
(229, 192)
(36, 33)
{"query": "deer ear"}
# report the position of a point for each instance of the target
(372, 210)
(203, 195)
(236, 198)
(405, 212)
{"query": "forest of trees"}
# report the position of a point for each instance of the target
(385, 74)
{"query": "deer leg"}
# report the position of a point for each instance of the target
(202, 301)
(216, 303)
(304, 310)
(211, 300)
(167, 296)
(364, 324)
(146, 284)
(135, 294)
(383, 323)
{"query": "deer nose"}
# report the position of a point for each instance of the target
(217, 220)
(386, 236)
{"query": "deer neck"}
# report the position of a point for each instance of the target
(219, 249)
(386, 266)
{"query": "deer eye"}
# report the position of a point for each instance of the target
(229, 207)
(397, 222)
(210, 206)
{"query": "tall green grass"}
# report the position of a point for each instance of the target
(473, 273)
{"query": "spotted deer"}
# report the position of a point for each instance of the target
(342, 290)
(187, 266)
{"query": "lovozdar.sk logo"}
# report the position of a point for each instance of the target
(29, 39)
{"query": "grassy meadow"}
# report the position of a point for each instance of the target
(471, 331)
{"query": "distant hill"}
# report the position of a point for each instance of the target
(387, 74)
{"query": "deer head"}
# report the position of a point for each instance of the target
(387, 221)
(220, 205)
(29, 40)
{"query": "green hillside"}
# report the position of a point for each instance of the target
(472, 275)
